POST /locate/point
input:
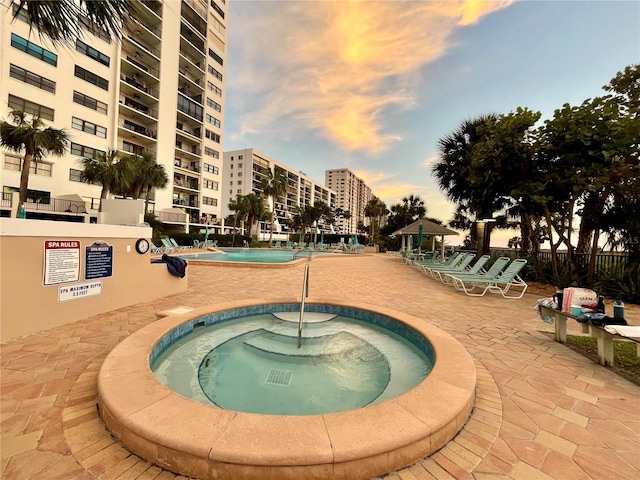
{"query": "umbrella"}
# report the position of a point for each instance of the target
(206, 234)
(419, 237)
(410, 242)
(321, 237)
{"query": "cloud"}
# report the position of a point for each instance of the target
(342, 69)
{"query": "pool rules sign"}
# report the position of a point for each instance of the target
(62, 265)
(61, 261)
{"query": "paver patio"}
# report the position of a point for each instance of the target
(542, 410)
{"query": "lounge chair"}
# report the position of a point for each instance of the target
(496, 269)
(475, 270)
(155, 250)
(312, 245)
(168, 246)
(450, 262)
(458, 267)
(278, 244)
(502, 284)
(180, 248)
(288, 244)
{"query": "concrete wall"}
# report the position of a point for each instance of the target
(27, 305)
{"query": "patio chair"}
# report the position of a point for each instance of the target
(475, 270)
(278, 244)
(168, 246)
(312, 245)
(507, 280)
(155, 250)
(180, 248)
(460, 266)
(496, 269)
(451, 262)
(197, 243)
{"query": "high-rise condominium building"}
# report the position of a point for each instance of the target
(159, 90)
(352, 196)
(243, 173)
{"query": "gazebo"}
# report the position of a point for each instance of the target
(428, 228)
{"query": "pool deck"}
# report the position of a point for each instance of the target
(542, 410)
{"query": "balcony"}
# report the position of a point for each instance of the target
(185, 165)
(183, 182)
(138, 43)
(136, 107)
(136, 87)
(153, 6)
(171, 217)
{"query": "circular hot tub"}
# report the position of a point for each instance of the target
(193, 436)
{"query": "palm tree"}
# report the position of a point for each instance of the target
(255, 210)
(274, 186)
(453, 169)
(147, 174)
(375, 210)
(59, 20)
(239, 207)
(35, 139)
(113, 173)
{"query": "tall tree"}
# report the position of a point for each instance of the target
(274, 186)
(255, 211)
(59, 19)
(147, 175)
(30, 135)
(239, 207)
(375, 210)
(452, 171)
(115, 174)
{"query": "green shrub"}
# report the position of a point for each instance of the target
(620, 282)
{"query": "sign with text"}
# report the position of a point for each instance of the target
(98, 261)
(79, 290)
(61, 261)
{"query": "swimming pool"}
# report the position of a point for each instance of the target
(254, 255)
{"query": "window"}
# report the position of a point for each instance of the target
(75, 175)
(211, 169)
(214, 88)
(31, 108)
(13, 162)
(89, 102)
(215, 105)
(213, 120)
(189, 107)
(210, 184)
(215, 56)
(91, 77)
(214, 72)
(34, 50)
(93, 27)
(88, 127)
(239, 174)
(92, 53)
(85, 152)
(210, 201)
(217, 26)
(32, 79)
(210, 152)
(240, 158)
(239, 191)
(22, 15)
(239, 182)
(212, 136)
(217, 9)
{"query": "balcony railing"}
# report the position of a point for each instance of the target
(140, 107)
(139, 129)
(60, 205)
(140, 85)
(192, 166)
(172, 217)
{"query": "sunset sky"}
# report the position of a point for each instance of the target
(372, 86)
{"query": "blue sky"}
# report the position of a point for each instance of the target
(372, 86)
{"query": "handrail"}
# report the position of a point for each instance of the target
(302, 250)
(305, 293)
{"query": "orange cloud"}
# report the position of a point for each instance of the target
(344, 68)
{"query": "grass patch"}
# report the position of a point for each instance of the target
(626, 362)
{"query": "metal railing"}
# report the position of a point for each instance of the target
(305, 293)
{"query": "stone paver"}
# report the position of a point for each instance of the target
(542, 411)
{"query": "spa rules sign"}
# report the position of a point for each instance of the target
(61, 261)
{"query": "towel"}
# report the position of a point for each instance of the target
(628, 331)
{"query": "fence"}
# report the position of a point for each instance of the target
(604, 260)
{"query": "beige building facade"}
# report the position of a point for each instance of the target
(352, 195)
(108, 95)
(243, 173)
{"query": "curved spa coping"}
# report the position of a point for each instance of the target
(207, 442)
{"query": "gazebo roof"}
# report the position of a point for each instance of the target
(428, 228)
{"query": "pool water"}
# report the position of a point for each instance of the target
(257, 255)
(252, 364)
